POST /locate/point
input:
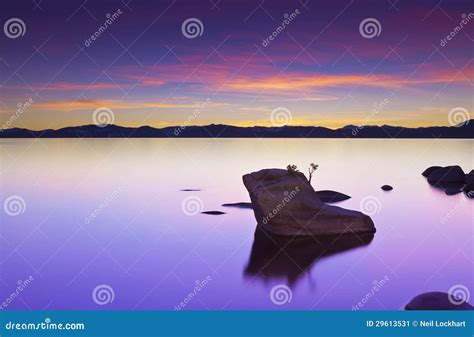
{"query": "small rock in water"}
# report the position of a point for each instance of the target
(387, 188)
(329, 196)
(190, 190)
(239, 205)
(213, 212)
(438, 301)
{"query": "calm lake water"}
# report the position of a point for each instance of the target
(107, 215)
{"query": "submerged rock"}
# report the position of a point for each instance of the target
(386, 188)
(448, 174)
(284, 203)
(213, 212)
(437, 301)
(329, 196)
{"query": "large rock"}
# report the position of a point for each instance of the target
(447, 175)
(469, 179)
(429, 170)
(437, 301)
(284, 203)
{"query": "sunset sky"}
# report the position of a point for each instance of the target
(319, 67)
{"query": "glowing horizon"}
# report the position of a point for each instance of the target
(320, 66)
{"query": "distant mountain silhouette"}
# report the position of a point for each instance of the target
(227, 131)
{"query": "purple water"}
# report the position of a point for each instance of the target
(140, 243)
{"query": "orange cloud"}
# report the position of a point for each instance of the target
(67, 106)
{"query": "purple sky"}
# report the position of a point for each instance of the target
(319, 69)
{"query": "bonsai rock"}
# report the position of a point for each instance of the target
(284, 203)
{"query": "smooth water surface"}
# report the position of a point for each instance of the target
(111, 212)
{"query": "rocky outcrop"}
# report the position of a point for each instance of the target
(437, 301)
(284, 203)
(451, 179)
(447, 175)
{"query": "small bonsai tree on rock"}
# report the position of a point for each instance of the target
(292, 168)
(312, 168)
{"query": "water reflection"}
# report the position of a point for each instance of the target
(278, 256)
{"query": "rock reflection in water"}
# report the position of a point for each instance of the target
(279, 256)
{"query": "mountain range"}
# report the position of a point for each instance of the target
(465, 130)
